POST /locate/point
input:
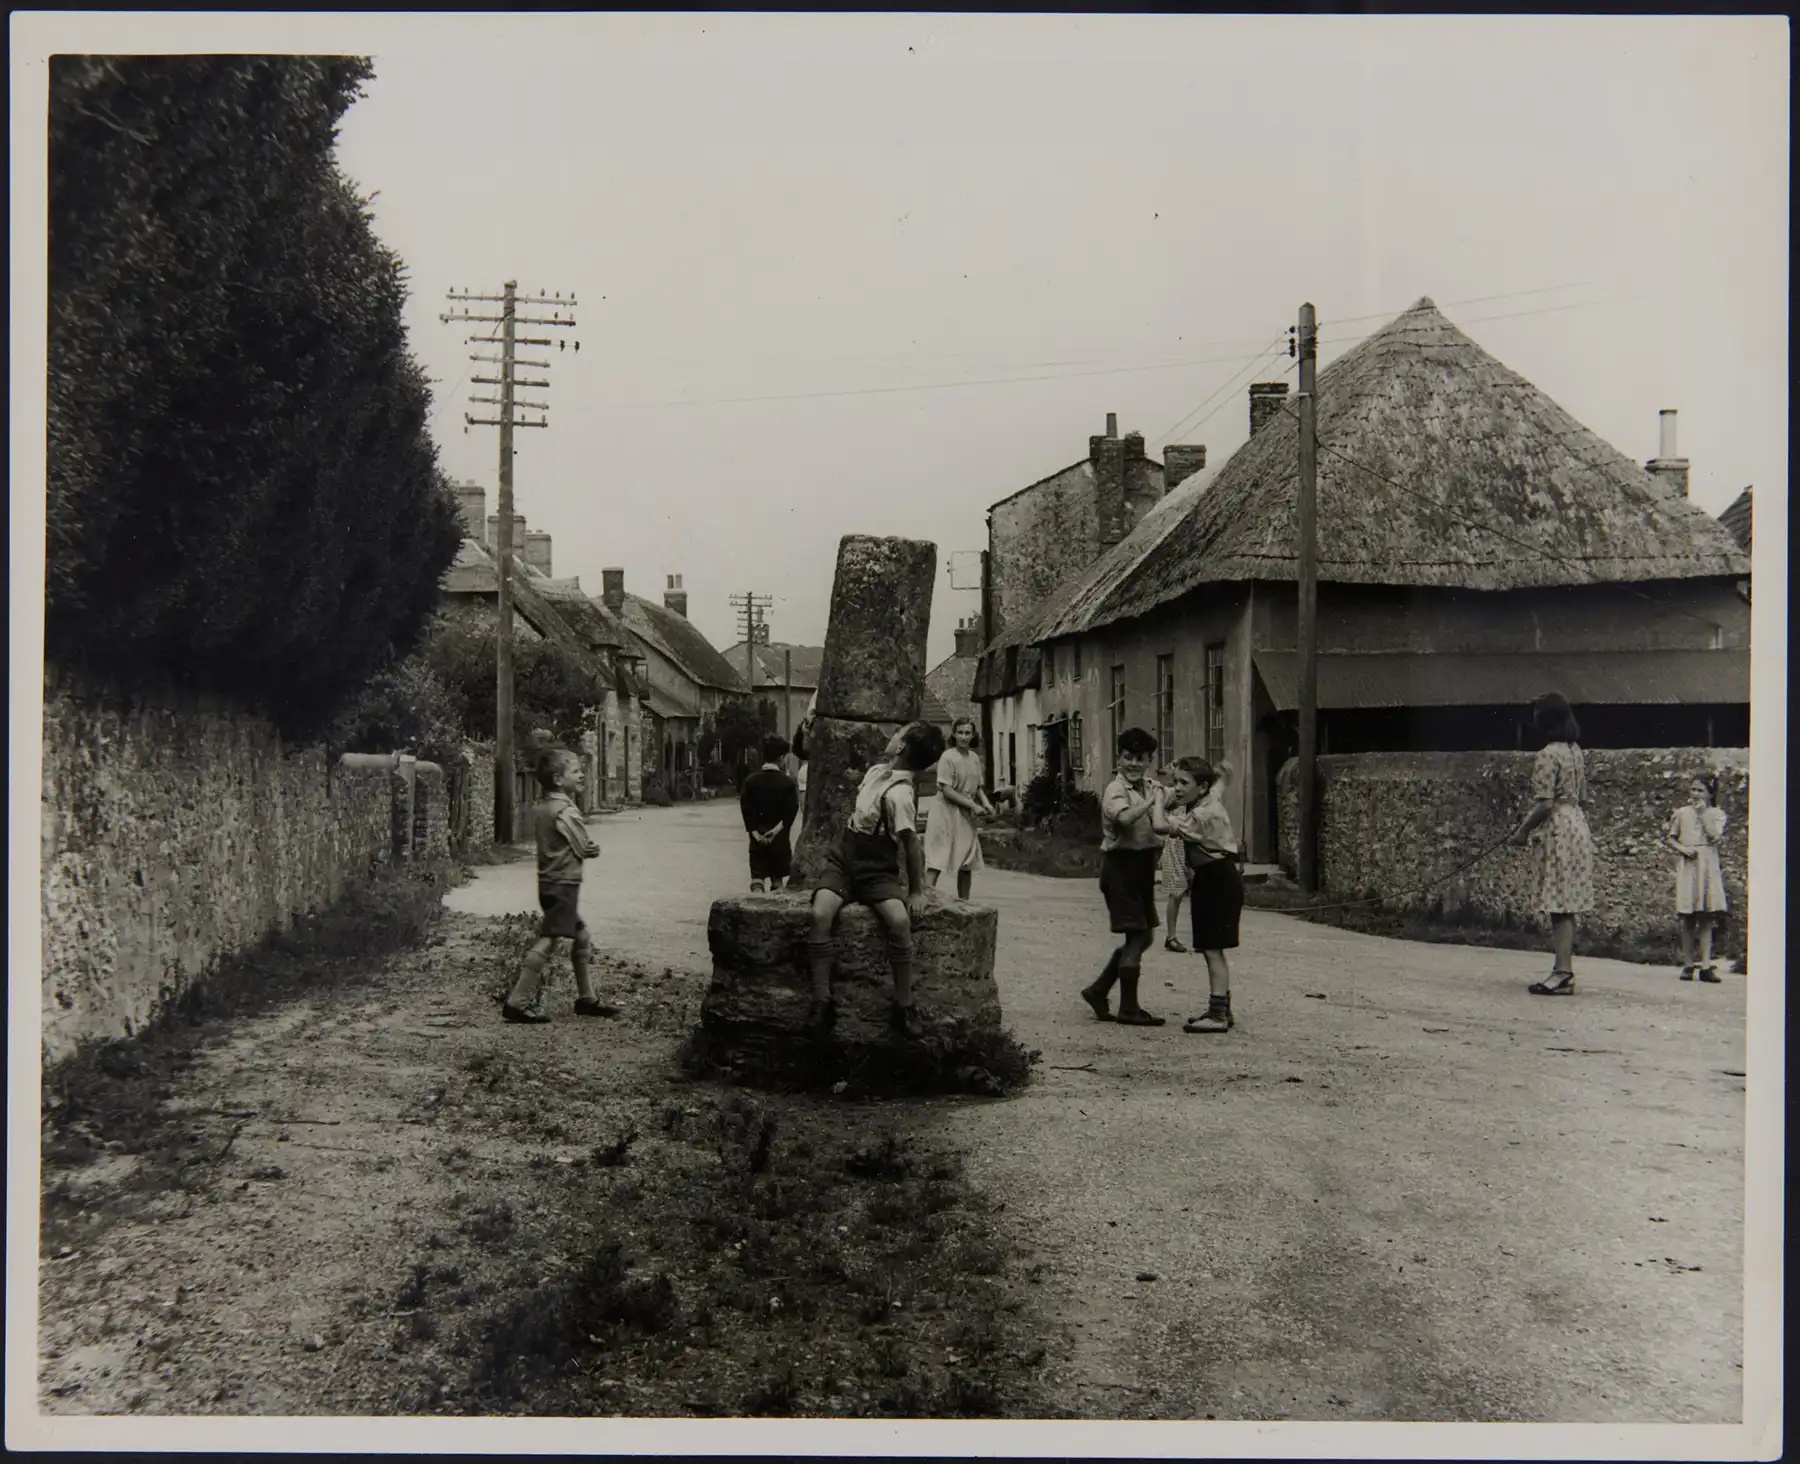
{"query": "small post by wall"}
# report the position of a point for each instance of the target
(1307, 852)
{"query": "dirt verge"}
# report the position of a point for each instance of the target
(348, 1188)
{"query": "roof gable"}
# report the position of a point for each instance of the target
(677, 638)
(1736, 520)
(475, 572)
(1421, 431)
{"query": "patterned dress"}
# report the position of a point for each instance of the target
(1565, 846)
(1699, 882)
(952, 841)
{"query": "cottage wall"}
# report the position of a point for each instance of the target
(1389, 822)
(1016, 716)
(1677, 615)
(1182, 631)
(1036, 540)
(176, 832)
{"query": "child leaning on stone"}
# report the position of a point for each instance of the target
(562, 846)
(877, 861)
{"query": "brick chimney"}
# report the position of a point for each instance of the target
(968, 637)
(1267, 399)
(1107, 456)
(1180, 462)
(612, 590)
(518, 534)
(674, 597)
(471, 503)
(1669, 471)
(536, 551)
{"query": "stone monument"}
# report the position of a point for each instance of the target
(871, 683)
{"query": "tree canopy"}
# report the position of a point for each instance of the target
(243, 495)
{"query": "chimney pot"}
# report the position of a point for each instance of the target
(1180, 462)
(536, 551)
(1267, 398)
(1666, 423)
(518, 534)
(1112, 424)
(674, 597)
(612, 589)
(471, 503)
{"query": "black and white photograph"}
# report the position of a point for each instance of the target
(1097, 680)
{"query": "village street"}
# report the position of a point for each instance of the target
(1398, 1159)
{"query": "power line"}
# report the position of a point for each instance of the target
(1182, 425)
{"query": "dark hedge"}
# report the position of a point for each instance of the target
(243, 495)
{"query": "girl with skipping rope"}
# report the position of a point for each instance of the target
(865, 867)
(1129, 849)
(1193, 816)
(1565, 845)
(952, 840)
(1694, 834)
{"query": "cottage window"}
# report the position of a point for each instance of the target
(1076, 762)
(1165, 706)
(1118, 703)
(1075, 660)
(1012, 759)
(1215, 702)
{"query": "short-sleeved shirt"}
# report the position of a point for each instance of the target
(1115, 832)
(1206, 823)
(885, 803)
(562, 840)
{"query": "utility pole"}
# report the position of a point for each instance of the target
(509, 404)
(1306, 783)
(751, 606)
(787, 694)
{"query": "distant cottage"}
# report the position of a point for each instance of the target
(1477, 546)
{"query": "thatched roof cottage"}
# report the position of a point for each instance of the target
(1477, 545)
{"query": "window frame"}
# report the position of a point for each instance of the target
(1165, 705)
(1117, 702)
(1213, 702)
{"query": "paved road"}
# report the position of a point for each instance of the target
(1402, 1189)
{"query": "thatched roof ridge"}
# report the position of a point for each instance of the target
(1736, 519)
(1425, 414)
(475, 572)
(586, 616)
(679, 639)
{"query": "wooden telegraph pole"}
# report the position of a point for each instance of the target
(509, 404)
(751, 606)
(1306, 783)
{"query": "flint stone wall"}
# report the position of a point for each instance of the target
(1389, 822)
(762, 984)
(175, 833)
(873, 665)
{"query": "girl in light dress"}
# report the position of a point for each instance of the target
(1694, 834)
(952, 840)
(1174, 875)
(1565, 845)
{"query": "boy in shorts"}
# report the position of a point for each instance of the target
(1129, 850)
(562, 845)
(865, 867)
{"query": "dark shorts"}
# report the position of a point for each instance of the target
(1128, 881)
(1216, 898)
(561, 904)
(774, 860)
(863, 869)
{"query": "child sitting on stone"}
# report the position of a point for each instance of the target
(562, 846)
(865, 867)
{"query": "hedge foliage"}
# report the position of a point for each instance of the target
(243, 496)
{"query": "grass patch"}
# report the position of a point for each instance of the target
(989, 1062)
(774, 1262)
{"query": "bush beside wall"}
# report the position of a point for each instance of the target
(1389, 822)
(177, 831)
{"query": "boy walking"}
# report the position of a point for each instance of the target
(562, 845)
(770, 801)
(864, 867)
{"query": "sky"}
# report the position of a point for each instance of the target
(791, 237)
(872, 274)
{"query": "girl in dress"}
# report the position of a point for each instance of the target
(1174, 875)
(1565, 847)
(1194, 817)
(951, 838)
(1694, 834)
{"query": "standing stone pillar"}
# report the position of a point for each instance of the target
(871, 677)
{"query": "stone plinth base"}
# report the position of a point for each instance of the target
(761, 987)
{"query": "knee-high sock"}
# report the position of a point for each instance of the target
(818, 960)
(900, 957)
(525, 990)
(579, 955)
